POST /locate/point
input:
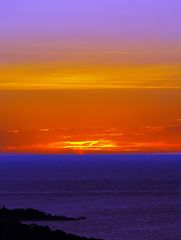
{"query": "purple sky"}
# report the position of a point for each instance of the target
(122, 19)
(38, 29)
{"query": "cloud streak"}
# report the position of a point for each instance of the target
(88, 76)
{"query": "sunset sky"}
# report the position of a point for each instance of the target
(90, 76)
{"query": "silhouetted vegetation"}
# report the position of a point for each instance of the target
(30, 214)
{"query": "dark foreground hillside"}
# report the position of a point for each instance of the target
(15, 230)
(11, 227)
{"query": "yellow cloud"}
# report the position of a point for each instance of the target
(92, 145)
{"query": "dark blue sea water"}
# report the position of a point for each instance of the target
(123, 197)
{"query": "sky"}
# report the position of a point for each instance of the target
(90, 76)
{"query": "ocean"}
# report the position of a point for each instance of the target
(122, 196)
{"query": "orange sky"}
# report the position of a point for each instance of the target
(92, 120)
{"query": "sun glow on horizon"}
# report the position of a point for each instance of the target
(88, 145)
(86, 141)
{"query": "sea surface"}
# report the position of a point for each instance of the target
(123, 197)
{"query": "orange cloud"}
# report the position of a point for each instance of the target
(14, 131)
